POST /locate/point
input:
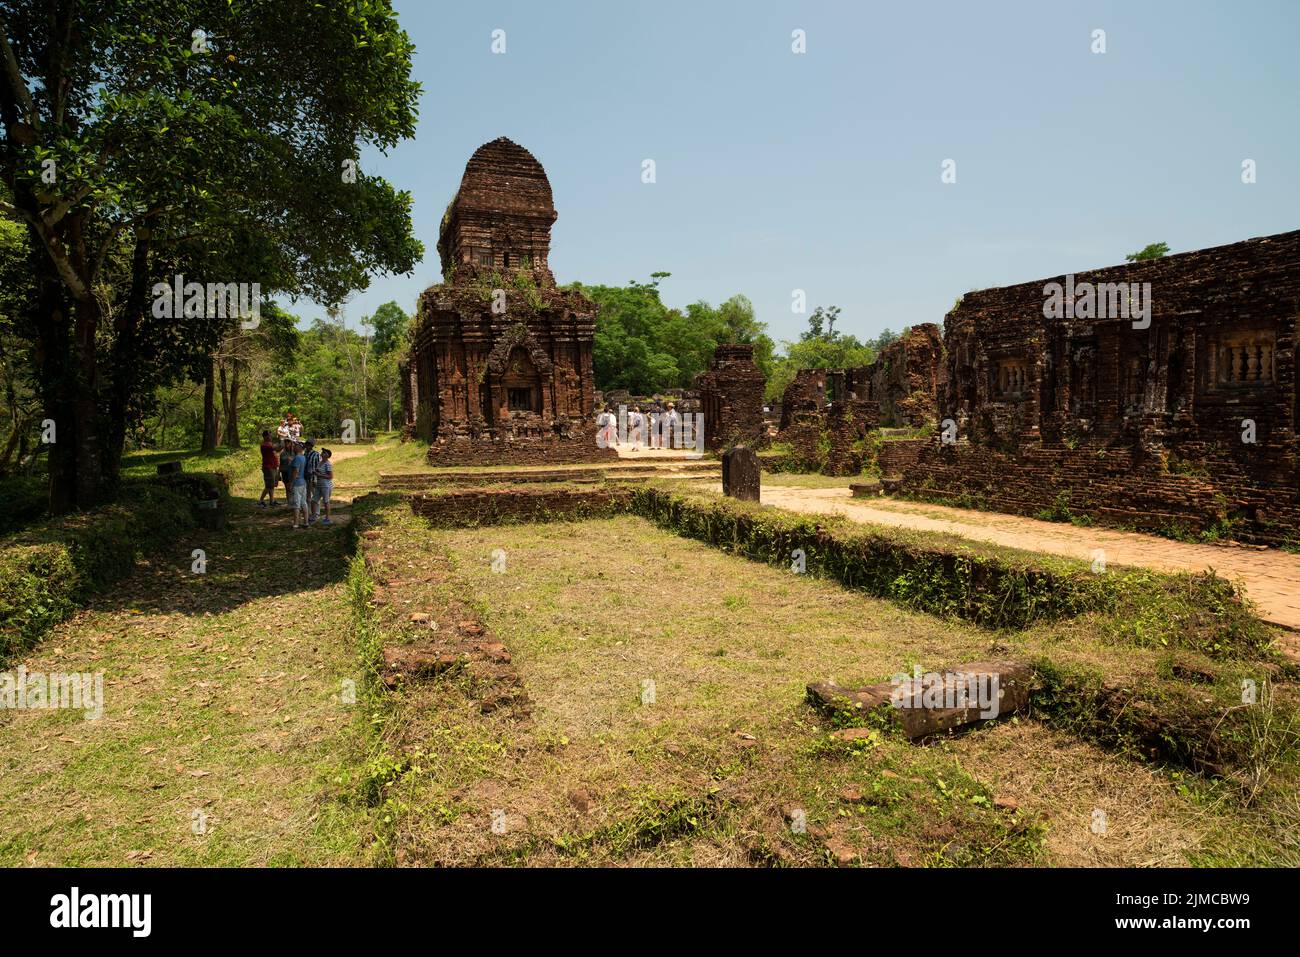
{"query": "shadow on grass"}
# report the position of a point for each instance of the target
(258, 555)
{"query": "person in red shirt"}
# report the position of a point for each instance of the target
(270, 471)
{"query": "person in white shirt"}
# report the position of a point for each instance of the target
(635, 427)
(605, 424)
(672, 425)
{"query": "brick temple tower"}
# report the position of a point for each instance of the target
(500, 365)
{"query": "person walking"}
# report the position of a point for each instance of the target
(270, 471)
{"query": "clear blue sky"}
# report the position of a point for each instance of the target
(821, 171)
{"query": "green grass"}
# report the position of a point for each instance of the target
(811, 480)
(707, 774)
(223, 706)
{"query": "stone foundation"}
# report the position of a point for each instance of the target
(495, 506)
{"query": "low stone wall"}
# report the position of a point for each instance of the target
(1112, 486)
(496, 506)
(409, 481)
(897, 455)
(557, 451)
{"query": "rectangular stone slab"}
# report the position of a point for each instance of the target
(937, 702)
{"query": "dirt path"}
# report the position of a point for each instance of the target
(225, 726)
(1271, 577)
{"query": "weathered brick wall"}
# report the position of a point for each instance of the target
(546, 450)
(405, 481)
(804, 396)
(731, 398)
(1137, 420)
(904, 379)
(827, 414)
(493, 506)
(895, 456)
(848, 423)
(1119, 487)
(684, 400)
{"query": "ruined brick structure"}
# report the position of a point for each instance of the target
(500, 365)
(1183, 419)
(731, 398)
(904, 379)
(828, 414)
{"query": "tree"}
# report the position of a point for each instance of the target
(886, 338)
(18, 400)
(391, 325)
(187, 134)
(1153, 251)
(646, 347)
(820, 347)
(273, 339)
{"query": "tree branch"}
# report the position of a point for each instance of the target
(16, 76)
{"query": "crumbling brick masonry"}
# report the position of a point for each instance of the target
(731, 396)
(1160, 394)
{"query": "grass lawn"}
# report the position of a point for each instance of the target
(712, 771)
(811, 480)
(665, 721)
(356, 465)
(224, 708)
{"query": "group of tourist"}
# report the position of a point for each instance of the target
(290, 429)
(307, 475)
(656, 427)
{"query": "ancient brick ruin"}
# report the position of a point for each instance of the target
(904, 379)
(1180, 417)
(500, 365)
(827, 415)
(731, 398)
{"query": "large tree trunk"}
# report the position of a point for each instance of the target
(53, 382)
(209, 408)
(87, 436)
(231, 404)
(124, 366)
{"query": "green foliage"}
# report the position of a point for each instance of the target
(821, 347)
(1153, 251)
(50, 569)
(1204, 613)
(23, 500)
(1211, 731)
(331, 373)
(234, 160)
(948, 582)
(645, 347)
